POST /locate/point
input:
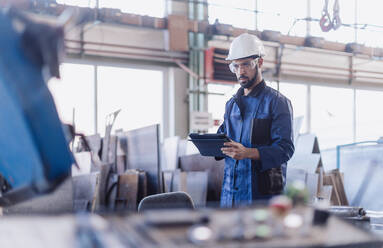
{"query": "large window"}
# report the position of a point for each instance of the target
(368, 13)
(138, 93)
(285, 16)
(280, 15)
(80, 3)
(216, 102)
(335, 118)
(154, 8)
(297, 93)
(240, 14)
(74, 96)
(369, 121)
(332, 115)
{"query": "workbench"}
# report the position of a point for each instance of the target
(169, 229)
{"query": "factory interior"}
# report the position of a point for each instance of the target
(191, 123)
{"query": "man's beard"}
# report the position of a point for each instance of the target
(250, 82)
(247, 84)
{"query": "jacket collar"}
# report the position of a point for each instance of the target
(254, 92)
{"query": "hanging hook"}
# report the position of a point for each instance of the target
(336, 22)
(325, 21)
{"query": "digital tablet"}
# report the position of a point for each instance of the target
(209, 136)
(209, 144)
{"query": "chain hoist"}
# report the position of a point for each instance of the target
(326, 23)
(336, 22)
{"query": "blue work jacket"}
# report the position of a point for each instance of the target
(263, 120)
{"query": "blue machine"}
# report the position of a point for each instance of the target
(34, 153)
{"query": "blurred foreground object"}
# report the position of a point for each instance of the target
(298, 193)
(34, 154)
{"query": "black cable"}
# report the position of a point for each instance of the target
(364, 25)
(350, 25)
(109, 191)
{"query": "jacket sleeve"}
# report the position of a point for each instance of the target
(281, 133)
(222, 128)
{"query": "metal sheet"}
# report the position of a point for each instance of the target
(214, 168)
(143, 154)
(170, 153)
(84, 187)
(127, 191)
(196, 187)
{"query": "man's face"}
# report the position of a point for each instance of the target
(245, 69)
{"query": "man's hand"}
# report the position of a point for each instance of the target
(237, 151)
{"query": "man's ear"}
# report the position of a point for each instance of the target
(260, 62)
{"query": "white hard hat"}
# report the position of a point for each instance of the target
(246, 45)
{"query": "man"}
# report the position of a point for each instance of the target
(258, 120)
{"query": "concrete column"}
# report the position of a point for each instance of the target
(197, 42)
(177, 103)
(176, 7)
(308, 22)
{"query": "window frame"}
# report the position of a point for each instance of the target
(95, 62)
